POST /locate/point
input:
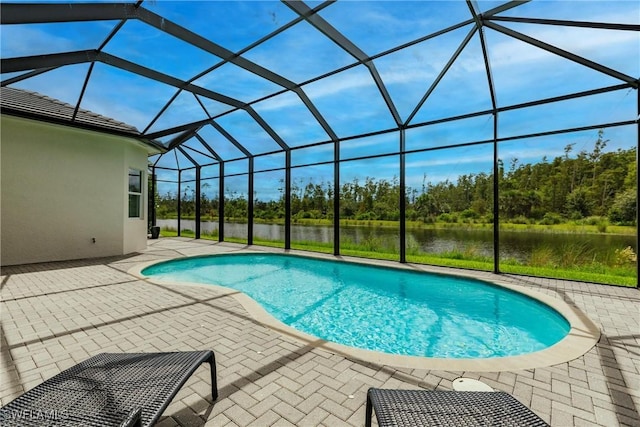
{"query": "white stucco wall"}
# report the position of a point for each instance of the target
(134, 236)
(60, 188)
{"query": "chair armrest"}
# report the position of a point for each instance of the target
(134, 419)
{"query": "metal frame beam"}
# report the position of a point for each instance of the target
(152, 197)
(208, 147)
(26, 63)
(13, 13)
(82, 91)
(178, 199)
(191, 159)
(93, 55)
(637, 184)
(162, 110)
(95, 12)
(316, 114)
(250, 179)
(336, 198)
(496, 199)
(185, 127)
(50, 13)
(327, 29)
(230, 138)
(194, 39)
(444, 71)
(338, 38)
(221, 203)
(179, 139)
(263, 124)
(563, 53)
(209, 156)
(403, 198)
(25, 76)
(494, 106)
(197, 195)
(504, 7)
(52, 60)
(287, 200)
(198, 206)
(567, 23)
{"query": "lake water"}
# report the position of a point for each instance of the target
(513, 244)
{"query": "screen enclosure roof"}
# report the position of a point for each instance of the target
(212, 81)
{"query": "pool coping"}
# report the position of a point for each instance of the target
(583, 335)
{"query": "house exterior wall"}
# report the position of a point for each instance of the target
(134, 236)
(61, 188)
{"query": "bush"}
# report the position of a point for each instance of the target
(447, 217)
(519, 220)
(412, 246)
(594, 220)
(411, 215)
(579, 203)
(315, 213)
(625, 256)
(543, 256)
(575, 216)
(366, 216)
(574, 254)
(469, 214)
(623, 209)
(551, 218)
(372, 244)
(301, 215)
(430, 219)
(537, 213)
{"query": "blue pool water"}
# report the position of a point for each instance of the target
(383, 309)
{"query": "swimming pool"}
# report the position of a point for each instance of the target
(388, 310)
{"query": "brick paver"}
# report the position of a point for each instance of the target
(57, 314)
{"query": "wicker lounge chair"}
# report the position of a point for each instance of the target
(447, 408)
(109, 389)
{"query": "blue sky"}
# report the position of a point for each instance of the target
(350, 100)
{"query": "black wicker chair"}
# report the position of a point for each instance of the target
(447, 408)
(109, 389)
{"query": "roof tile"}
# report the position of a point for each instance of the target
(25, 101)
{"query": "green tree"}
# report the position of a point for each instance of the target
(579, 203)
(624, 208)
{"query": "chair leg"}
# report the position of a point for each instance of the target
(214, 379)
(368, 410)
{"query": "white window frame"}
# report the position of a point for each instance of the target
(137, 194)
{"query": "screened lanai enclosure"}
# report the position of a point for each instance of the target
(487, 135)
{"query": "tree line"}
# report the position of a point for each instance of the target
(568, 187)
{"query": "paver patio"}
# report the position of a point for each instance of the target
(55, 315)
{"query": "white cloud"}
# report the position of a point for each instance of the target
(286, 100)
(449, 161)
(345, 81)
(513, 52)
(350, 96)
(20, 40)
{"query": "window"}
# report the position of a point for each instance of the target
(135, 193)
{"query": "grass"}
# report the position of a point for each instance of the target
(568, 227)
(569, 274)
(444, 261)
(570, 262)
